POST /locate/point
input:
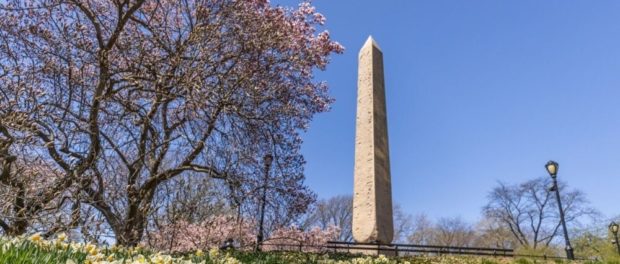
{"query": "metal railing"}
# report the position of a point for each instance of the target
(413, 249)
(402, 250)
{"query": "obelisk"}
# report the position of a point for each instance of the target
(372, 200)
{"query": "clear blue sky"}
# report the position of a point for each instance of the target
(477, 92)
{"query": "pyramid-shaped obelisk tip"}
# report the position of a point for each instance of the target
(370, 42)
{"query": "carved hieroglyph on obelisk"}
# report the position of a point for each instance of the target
(372, 200)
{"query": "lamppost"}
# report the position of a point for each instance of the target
(259, 238)
(613, 227)
(552, 168)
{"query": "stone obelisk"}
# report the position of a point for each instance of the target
(372, 200)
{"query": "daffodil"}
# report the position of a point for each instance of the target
(139, 259)
(76, 246)
(214, 253)
(61, 237)
(36, 237)
(91, 249)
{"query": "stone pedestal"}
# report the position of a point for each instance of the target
(372, 199)
(374, 252)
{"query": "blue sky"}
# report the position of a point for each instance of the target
(477, 92)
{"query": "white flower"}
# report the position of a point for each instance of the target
(61, 237)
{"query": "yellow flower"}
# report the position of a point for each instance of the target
(91, 249)
(199, 253)
(161, 259)
(36, 237)
(139, 259)
(231, 260)
(214, 253)
(110, 258)
(95, 258)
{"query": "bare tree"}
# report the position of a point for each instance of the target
(335, 211)
(403, 224)
(454, 232)
(493, 234)
(338, 211)
(529, 211)
(422, 232)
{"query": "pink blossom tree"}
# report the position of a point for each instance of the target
(295, 239)
(182, 236)
(122, 96)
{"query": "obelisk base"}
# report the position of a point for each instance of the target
(374, 252)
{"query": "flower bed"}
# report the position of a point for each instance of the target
(35, 249)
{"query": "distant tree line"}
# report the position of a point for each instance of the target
(517, 216)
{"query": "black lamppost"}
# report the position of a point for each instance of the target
(613, 227)
(552, 168)
(259, 238)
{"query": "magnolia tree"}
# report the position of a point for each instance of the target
(183, 236)
(121, 96)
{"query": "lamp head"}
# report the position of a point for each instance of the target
(552, 168)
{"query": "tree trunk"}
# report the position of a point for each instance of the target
(130, 236)
(131, 233)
